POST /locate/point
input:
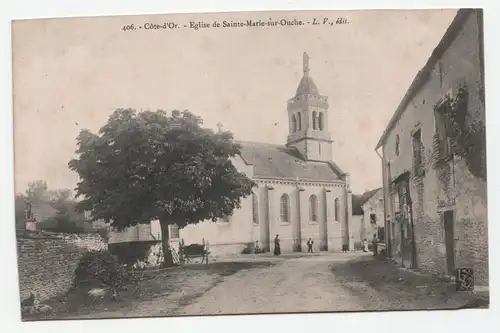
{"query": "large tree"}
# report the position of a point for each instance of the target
(148, 166)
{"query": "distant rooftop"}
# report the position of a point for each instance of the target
(359, 200)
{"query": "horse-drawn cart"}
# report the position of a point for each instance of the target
(192, 251)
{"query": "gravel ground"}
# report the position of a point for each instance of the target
(291, 283)
(392, 288)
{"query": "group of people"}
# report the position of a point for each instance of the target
(277, 248)
(310, 243)
(374, 244)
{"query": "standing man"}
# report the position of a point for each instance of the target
(310, 245)
(374, 245)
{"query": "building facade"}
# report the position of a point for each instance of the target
(373, 216)
(433, 155)
(137, 233)
(367, 217)
(301, 192)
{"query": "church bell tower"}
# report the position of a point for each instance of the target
(308, 120)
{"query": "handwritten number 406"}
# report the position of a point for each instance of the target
(128, 27)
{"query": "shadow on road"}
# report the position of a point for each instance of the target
(403, 286)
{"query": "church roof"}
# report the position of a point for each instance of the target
(282, 162)
(306, 86)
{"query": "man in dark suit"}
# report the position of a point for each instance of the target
(310, 245)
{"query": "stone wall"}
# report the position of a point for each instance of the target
(46, 265)
(450, 187)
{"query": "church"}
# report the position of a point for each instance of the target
(301, 192)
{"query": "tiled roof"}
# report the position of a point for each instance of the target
(281, 162)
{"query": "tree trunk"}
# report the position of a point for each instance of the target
(168, 260)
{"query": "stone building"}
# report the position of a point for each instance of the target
(301, 192)
(433, 153)
(373, 216)
(367, 217)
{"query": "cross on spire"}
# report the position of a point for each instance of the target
(219, 126)
(306, 63)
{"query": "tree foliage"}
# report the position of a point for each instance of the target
(150, 166)
(39, 190)
(60, 195)
(63, 221)
(20, 212)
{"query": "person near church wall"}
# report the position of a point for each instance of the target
(310, 245)
(277, 249)
(345, 248)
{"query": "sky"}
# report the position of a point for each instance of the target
(72, 73)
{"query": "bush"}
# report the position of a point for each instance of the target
(61, 223)
(100, 269)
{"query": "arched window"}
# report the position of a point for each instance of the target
(299, 121)
(337, 208)
(285, 208)
(255, 209)
(313, 208)
(314, 119)
(397, 145)
(320, 121)
(294, 124)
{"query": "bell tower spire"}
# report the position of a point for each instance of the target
(305, 63)
(308, 119)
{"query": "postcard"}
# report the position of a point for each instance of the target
(250, 163)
